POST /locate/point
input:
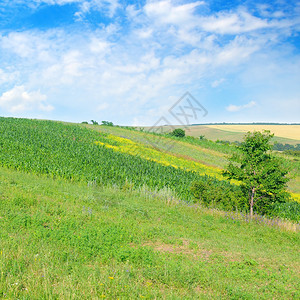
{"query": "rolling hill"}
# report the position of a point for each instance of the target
(96, 212)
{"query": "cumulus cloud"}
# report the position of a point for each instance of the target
(166, 12)
(233, 23)
(148, 53)
(86, 7)
(235, 108)
(19, 100)
(6, 77)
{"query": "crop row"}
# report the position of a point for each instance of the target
(76, 153)
(126, 145)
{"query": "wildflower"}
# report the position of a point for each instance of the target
(110, 277)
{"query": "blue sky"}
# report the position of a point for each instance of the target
(129, 61)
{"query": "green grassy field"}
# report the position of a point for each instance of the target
(63, 240)
(97, 212)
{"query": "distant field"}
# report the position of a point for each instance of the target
(286, 134)
(283, 131)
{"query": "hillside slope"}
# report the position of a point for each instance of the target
(210, 157)
(64, 240)
(81, 154)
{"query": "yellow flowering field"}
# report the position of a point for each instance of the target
(125, 145)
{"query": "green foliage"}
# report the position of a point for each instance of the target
(94, 122)
(221, 196)
(178, 132)
(287, 210)
(292, 152)
(107, 123)
(207, 144)
(70, 152)
(65, 240)
(263, 176)
(286, 147)
(84, 122)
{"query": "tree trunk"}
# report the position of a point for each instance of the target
(252, 201)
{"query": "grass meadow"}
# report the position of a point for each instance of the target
(64, 240)
(108, 213)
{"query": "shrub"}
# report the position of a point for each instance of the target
(221, 195)
(107, 123)
(178, 132)
(288, 210)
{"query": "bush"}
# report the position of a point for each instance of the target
(220, 195)
(288, 210)
(178, 132)
(107, 123)
(292, 152)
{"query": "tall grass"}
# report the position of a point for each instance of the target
(63, 240)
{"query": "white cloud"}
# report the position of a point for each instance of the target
(108, 7)
(166, 12)
(235, 108)
(217, 82)
(98, 5)
(233, 23)
(19, 100)
(237, 51)
(99, 46)
(7, 77)
(165, 48)
(102, 106)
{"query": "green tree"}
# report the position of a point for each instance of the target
(263, 177)
(178, 132)
(107, 123)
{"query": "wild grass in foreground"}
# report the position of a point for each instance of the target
(62, 240)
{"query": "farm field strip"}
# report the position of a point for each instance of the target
(285, 131)
(197, 153)
(125, 145)
(182, 149)
(285, 134)
(70, 152)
